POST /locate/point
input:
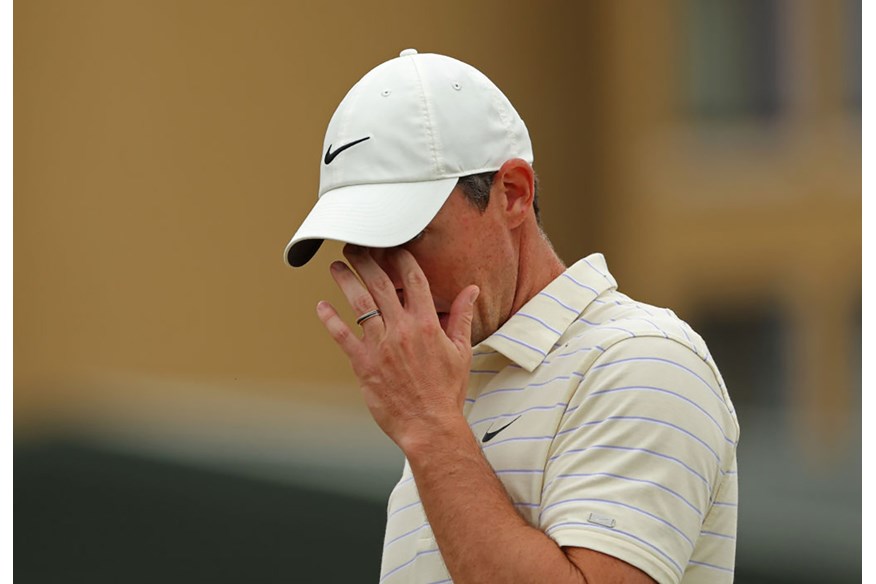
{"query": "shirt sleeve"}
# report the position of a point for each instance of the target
(638, 456)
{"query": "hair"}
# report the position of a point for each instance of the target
(477, 190)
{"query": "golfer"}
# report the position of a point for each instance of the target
(554, 430)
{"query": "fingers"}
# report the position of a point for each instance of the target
(461, 314)
(338, 329)
(379, 286)
(418, 297)
(359, 298)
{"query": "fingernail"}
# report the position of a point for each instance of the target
(474, 295)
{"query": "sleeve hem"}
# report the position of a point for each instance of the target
(620, 548)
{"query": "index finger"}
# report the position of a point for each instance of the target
(418, 295)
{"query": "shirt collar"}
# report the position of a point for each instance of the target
(529, 335)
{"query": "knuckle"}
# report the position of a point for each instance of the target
(383, 286)
(343, 337)
(388, 359)
(362, 304)
(417, 278)
(341, 334)
(430, 326)
(367, 373)
(403, 334)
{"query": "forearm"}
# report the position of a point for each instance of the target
(481, 536)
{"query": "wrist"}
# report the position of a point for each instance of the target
(434, 435)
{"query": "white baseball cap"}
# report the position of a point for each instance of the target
(396, 147)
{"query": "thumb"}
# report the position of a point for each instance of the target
(461, 313)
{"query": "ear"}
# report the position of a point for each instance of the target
(516, 180)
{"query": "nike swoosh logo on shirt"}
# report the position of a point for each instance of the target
(329, 155)
(489, 435)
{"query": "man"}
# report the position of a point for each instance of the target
(554, 429)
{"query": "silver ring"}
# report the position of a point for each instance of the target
(367, 315)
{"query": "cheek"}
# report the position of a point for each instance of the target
(447, 277)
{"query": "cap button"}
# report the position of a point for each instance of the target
(408, 53)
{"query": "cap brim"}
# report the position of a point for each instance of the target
(371, 215)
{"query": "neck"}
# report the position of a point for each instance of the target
(538, 265)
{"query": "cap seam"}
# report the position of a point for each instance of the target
(428, 116)
(507, 119)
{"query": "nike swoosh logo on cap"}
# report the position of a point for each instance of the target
(329, 155)
(490, 435)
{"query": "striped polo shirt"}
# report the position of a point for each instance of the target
(611, 429)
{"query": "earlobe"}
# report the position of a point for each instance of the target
(517, 181)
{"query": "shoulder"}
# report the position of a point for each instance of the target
(620, 342)
(614, 318)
